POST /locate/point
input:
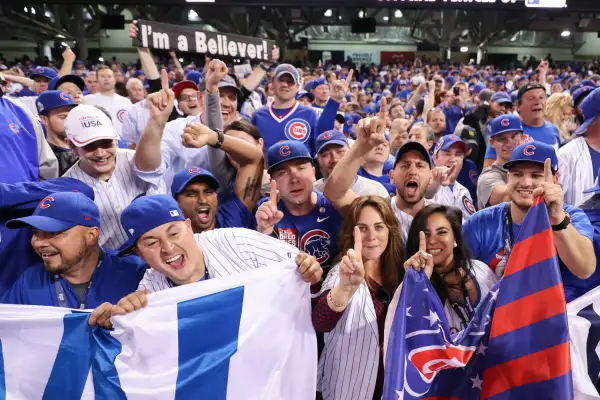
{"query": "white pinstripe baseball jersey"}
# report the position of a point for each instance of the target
(458, 197)
(227, 252)
(114, 195)
(350, 359)
(404, 218)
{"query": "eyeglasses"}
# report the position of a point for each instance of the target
(185, 99)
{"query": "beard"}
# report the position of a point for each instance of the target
(67, 264)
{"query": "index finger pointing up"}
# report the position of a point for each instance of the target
(422, 242)
(273, 194)
(357, 242)
(383, 109)
(349, 76)
(164, 79)
(548, 177)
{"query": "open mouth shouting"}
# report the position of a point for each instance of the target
(411, 188)
(176, 262)
(203, 213)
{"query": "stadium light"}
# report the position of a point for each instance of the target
(100, 59)
(385, 18)
(464, 49)
(193, 15)
(398, 14)
(565, 33)
(328, 13)
(361, 14)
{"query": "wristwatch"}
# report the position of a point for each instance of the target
(220, 139)
(563, 225)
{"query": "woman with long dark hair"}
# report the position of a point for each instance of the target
(435, 242)
(352, 305)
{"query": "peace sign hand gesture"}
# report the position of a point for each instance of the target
(339, 88)
(352, 270)
(160, 104)
(553, 195)
(422, 259)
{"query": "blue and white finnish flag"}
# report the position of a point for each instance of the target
(247, 336)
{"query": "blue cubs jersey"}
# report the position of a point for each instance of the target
(468, 176)
(485, 234)
(315, 233)
(297, 123)
(547, 133)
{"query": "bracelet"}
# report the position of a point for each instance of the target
(333, 305)
(220, 139)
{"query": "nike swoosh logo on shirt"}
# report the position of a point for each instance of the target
(322, 219)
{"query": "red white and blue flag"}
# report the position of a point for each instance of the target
(515, 347)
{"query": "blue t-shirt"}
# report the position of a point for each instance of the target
(547, 133)
(453, 115)
(315, 233)
(232, 213)
(383, 179)
(595, 161)
(115, 278)
(484, 234)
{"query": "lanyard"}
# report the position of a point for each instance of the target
(509, 235)
(464, 311)
(60, 291)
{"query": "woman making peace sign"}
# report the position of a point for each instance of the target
(352, 304)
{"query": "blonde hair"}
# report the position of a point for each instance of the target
(553, 112)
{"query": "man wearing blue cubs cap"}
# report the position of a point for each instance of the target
(53, 107)
(286, 119)
(331, 147)
(506, 133)
(305, 98)
(161, 235)
(320, 91)
(491, 233)
(20, 200)
(294, 212)
(42, 76)
(77, 272)
(579, 159)
(72, 84)
(448, 157)
(195, 190)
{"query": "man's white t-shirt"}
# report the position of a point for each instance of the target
(116, 105)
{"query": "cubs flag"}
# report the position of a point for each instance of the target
(248, 336)
(515, 347)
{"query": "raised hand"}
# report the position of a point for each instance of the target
(443, 175)
(133, 29)
(371, 131)
(215, 71)
(309, 268)
(68, 55)
(553, 195)
(196, 135)
(422, 259)
(339, 88)
(160, 104)
(267, 214)
(352, 270)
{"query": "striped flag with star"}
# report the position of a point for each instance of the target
(516, 345)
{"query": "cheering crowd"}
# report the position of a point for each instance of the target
(115, 184)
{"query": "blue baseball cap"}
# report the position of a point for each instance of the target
(318, 82)
(60, 211)
(499, 80)
(146, 213)
(46, 72)
(356, 117)
(59, 80)
(348, 123)
(584, 90)
(138, 73)
(505, 123)
(283, 69)
(478, 87)
(284, 151)
(194, 76)
(533, 152)
(448, 141)
(52, 99)
(589, 110)
(501, 97)
(413, 146)
(522, 78)
(451, 80)
(330, 137)
(302, 93)
(184, 178)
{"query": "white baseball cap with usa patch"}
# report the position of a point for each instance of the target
(86, 124)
